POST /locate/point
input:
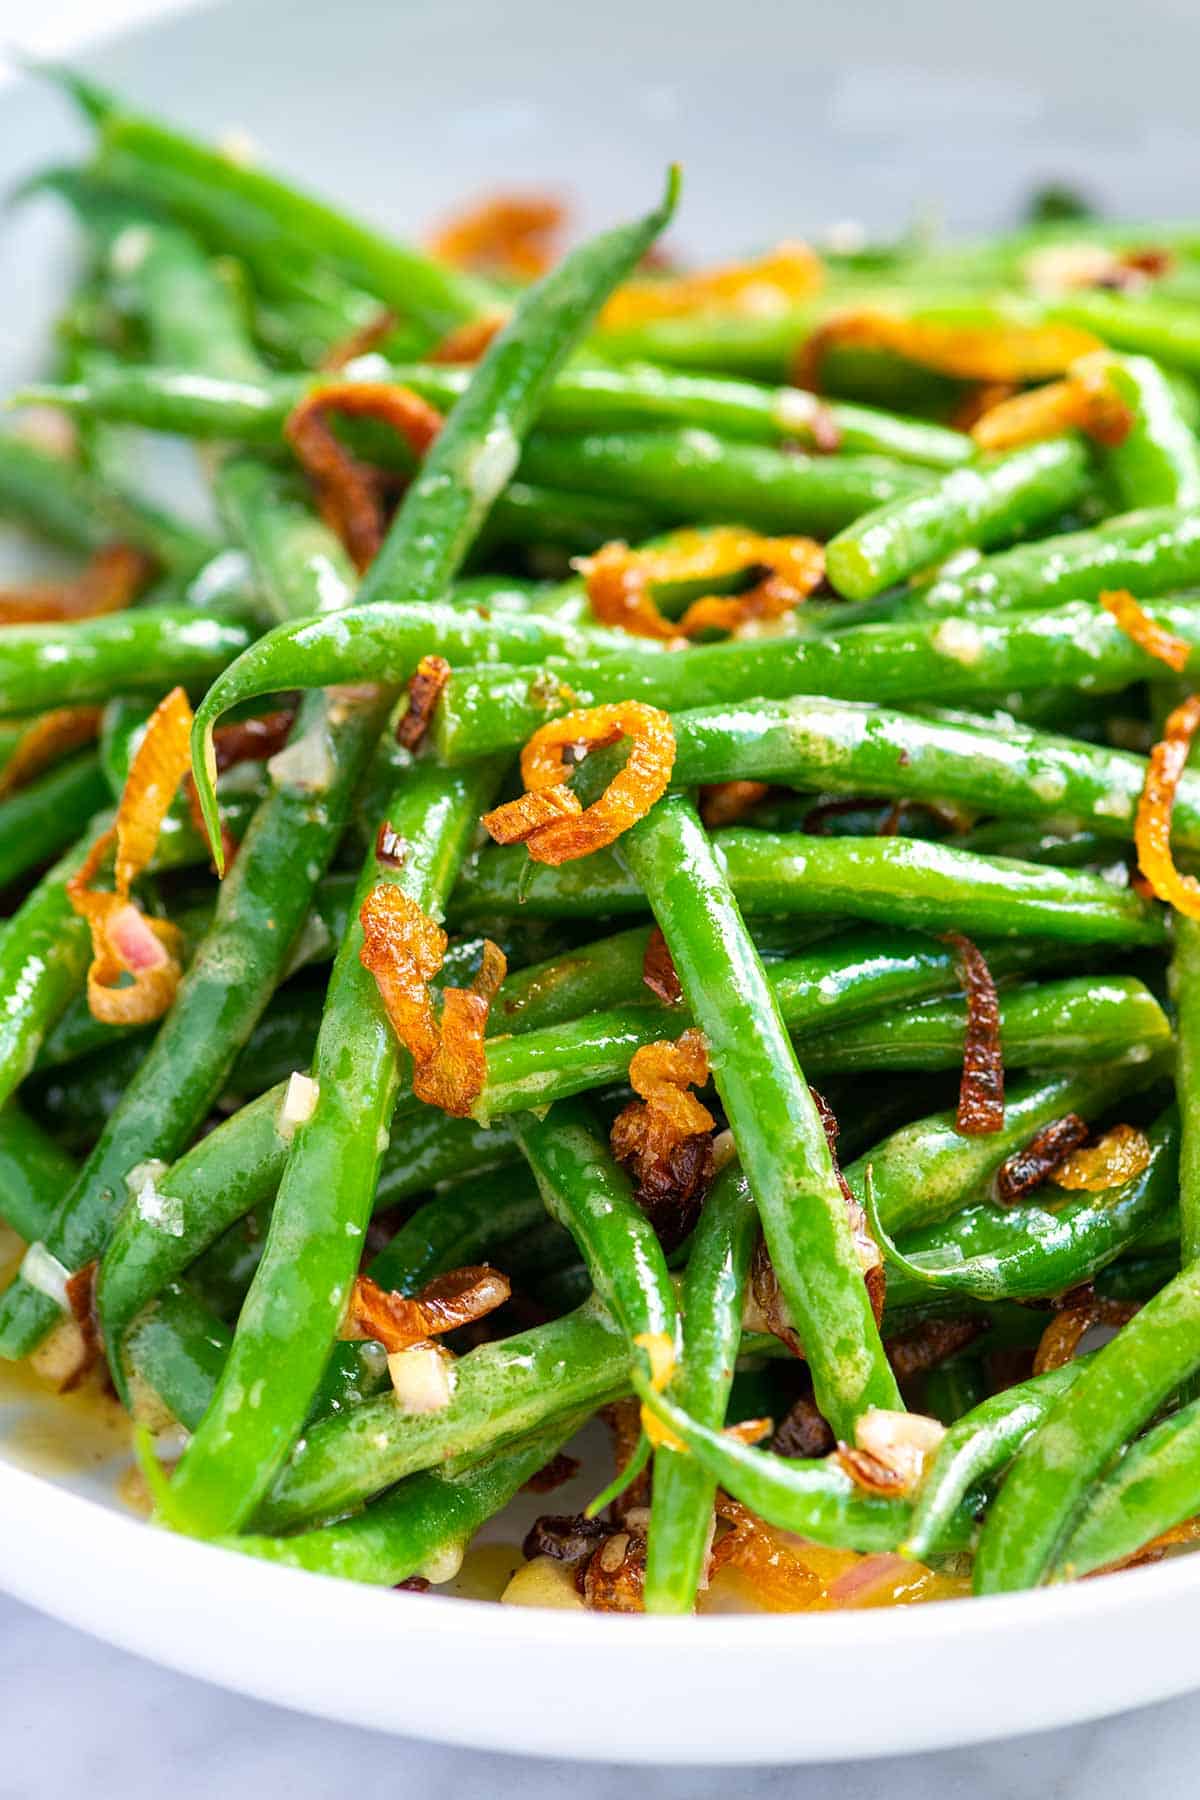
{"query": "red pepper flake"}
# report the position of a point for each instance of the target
(658, 970)
(1026, 1169)
(981, 1092)
(424, 691)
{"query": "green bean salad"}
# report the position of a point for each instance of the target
(636, 865)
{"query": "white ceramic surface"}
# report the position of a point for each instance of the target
(788, 116)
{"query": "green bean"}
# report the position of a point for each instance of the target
(44, 953)
(1164, 329)
(301, 566)
(585, 1191)
(32, 1170)
(977, 1447)
(37, 821)
(1156, 551)
(1158, 462)
(1026, 1252)
(775, 1123)
(65, 503)
(817, 1499)
(1154, 1486)
(1123, 1385)
(1185, 991)
(585, 398)
(954, 1388)
(896, 881)
(255, 215)
(422, 1528)
(146, 650)
(927, 1170)
(998, 499)
(1077, 647)
(1053, 1025)
(689, 474)
(712, 1297)
(502, 1391)
(463, 1225)
(176, 1351)
(853, 977)
(331, 1173)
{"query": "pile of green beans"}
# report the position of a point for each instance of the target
(955, 734)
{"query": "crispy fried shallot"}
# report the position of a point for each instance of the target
(246, 740)
(1007, 353)
(47, 739)
(424, 691)
(548, 818)
(728, 802)
(1154, 639)
(773, 284)
(803, 1431)
(623, 1421)
(1081, 401)
(560, 1469)
(566, 1537)
(398, 1321)
(1028, 1168)
(928, 1344)
(870, 1257)
(515, 236)
(664, 1138)
(107, 584)
(404, 949)
(619, 580)
(981, 1091)
(890, 1450)
(1080, 1311)
(467, 343)
(124, 940)
(81, 1298)
(1118, 1156)
(349, 492)
(658, 969)
(1066, 268)
(613, 1577)
(1152, 830)
(367, 337)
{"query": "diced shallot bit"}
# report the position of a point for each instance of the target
(422, 1377)
(891, 1450)
(299, 1103)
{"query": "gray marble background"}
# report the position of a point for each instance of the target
(82, 1721)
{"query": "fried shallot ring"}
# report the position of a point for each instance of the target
(728, 802)
(1154, 639)
(1071, 1324)
(1082, 401)
(404, 949)
(424, 691)
(348, 491)
(1026, 1169)
(890, 1450)
(619, 580)
(771, 285)
(467, 343)
(981, 1091)
(658, 969)
(664, 1137)
(780, 1580)
(107, 584)
(1152, 830)
(548, 819)
(1120, 1155)
(47, 739)
(398, 1321)
(967, 352)
(364, 338)
(245, 740)
(513, 235)
(124, 940)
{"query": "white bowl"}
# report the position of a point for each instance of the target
(787, 117)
